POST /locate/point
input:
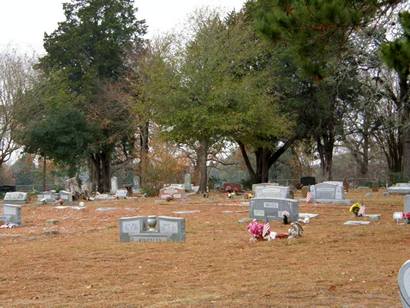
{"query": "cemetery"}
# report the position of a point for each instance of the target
(248, 154)
(105, 256)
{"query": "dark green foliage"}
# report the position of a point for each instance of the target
(315, 31)
(83, 100)
(63, 135)
(396, 54)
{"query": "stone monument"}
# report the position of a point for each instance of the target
(404, 284)
(12, 213)
(187, 182)
(274, 209)
(15, 197)
(329, 193)
(152, 229)
(114, 185)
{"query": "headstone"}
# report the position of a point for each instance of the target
(172, 193)
(47, 196)
(104, 197)
(403, 280)
(12, 213)
(7, 188)
(136, 184)
(271, 191)
(232, 187)
(187, 182)
(274, 209)
(308, 180)
(121, 194)
(262, 185)
(328, 193)
(340, 183)
(66, 196)
(114, 184)
(399, 188)
(406, 208)
(16, 197)
(152, 229)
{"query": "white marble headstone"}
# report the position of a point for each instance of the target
(406, 208)
(16, 197)
(114, 184)
(404, 284)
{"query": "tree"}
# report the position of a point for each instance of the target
(88, 54)
(15, 79)
(396, 55)
(317, 34)
(181, 86)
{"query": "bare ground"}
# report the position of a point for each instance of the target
(81, 262)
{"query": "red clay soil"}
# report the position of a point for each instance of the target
(80, 261)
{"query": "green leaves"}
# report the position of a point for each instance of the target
(316, 31)
(396, 54)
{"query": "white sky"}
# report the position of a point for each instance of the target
(23, 22)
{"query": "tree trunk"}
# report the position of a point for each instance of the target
(265, 158)
(44, 173)
(144, 149)
(404, 101)
(102, 166)
(202, 160)
(325, 144)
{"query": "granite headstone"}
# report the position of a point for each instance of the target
(328, 193)
(12, 213)
(404, 284)
(16, 197)
(274, 209)
(152, 229)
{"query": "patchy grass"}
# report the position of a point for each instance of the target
(84, 264)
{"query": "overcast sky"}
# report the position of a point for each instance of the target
(23, 22)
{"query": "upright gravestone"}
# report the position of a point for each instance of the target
(334, 182)
(404, 284)
(66, 196)
(406, 208)
(262, 185)
(114, 185)
(274, 209)
(187, 182)
(136, 184)
(328, 193)
(16, 197)
(12, 213)
(47, 196)
(152, 229)
(121, 194)
(272, 191)
(308, 180)
(399, 188)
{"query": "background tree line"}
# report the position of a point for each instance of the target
(297, 79)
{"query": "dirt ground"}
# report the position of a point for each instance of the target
(80, 261)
